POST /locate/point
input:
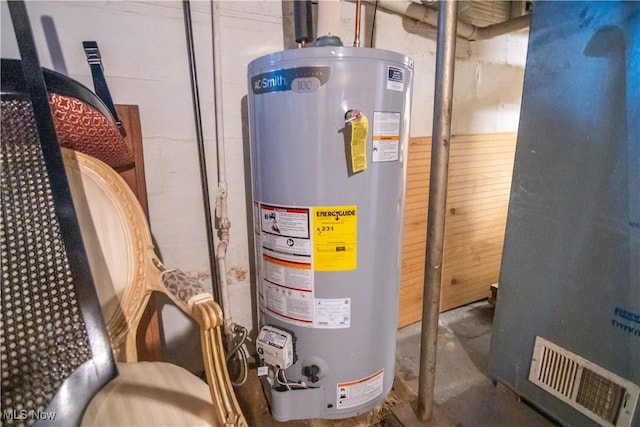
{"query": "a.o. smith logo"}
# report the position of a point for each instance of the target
(300, 79)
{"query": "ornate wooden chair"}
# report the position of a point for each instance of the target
(126, 271)
(54, 353)
(54, 349)
(53, 343)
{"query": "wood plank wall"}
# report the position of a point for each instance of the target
(480, 171)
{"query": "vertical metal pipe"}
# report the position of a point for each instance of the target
(445, 61)
(356, 42)
(221, 213)
(204, 177)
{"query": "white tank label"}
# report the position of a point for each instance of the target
(333, 313)
(287, 277)
(395, 78)
(358, 392)
(386, 137)
(292, 305)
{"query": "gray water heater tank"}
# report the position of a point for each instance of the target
(329, 139)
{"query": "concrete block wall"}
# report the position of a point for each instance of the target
(144, 49)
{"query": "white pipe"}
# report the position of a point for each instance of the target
(221, 258)
(515, 24)
(328, 18)
(217, 87)
(427, 15)
(221, 197)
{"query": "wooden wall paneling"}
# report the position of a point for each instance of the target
(480, 171)
(476, 217)
(414, 231)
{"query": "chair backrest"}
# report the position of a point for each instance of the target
(55, 352)
(119, 246)
(54, 348)
(83, 122)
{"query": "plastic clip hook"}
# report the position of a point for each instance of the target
(352, 115)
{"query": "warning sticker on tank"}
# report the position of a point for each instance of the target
(333, 313)
(335, 238)
(285, 221)
(386, 136)
(358, 145)
(293, 306)
(285, 268)
(358, 392)
(293, 275)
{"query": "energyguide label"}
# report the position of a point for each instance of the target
(335, 238)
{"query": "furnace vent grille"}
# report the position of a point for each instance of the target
(557, 371)
(599, 394)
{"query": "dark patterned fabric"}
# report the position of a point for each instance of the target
(181, 286)
(83, 128)
(43, 337)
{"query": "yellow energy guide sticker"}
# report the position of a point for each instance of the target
(359, 131)
(335, 238)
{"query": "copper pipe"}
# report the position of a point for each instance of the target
(356, 43)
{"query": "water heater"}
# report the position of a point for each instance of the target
(329, 132)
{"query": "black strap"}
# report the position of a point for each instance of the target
(99, 82)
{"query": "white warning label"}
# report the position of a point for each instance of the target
(333, 313)
(386, 137)
(285, 221)
(287, 278)
(358, 392)
(291, 305)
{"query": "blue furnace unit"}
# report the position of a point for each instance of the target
(567, 327)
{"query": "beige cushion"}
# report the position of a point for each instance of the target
(152, 394)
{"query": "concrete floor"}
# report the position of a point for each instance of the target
(464, 396)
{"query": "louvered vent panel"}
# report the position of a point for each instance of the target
(557, 371)
(599, 394)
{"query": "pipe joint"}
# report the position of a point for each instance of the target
(224, 225)
(222, 249)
